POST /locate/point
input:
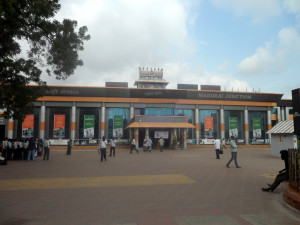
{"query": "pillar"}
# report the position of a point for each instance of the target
(147, 133)
(11, 125)
(278, 114)
(282, 113)
(222, 123)
(287, 113)
(73, 122)
(246, 125)
(131, 116)
(102, 122)
(197, 126)
(269, 122)
(43, 121)
(184, 139)
(136, 137)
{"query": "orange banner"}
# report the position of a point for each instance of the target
(59, 126)
(28, 125)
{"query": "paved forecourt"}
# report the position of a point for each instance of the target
(174, 187)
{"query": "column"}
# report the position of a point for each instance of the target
(269, 122)
(11, 125)
(73, 121)
(278, 114)
(287, 113)
(246, 125)
(147, 132)
(136, 137)
(282, 113)
(197, 126)
(222, 123)
(184, 138)
(43, 121)
(102, 122)
(131, 115)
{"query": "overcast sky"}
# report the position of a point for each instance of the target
(238, 44)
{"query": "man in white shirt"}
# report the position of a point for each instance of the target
(112, 147)
(102, 147)
(217, 143)
(133, 146)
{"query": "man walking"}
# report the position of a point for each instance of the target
(102, 147)
(46, 149)
(217, 143)
(161, 144)
(133, 146)
(233, 148)
(112, 147)
(31, 149)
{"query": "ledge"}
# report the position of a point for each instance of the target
(290, 196)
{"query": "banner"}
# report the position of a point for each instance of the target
(59, 126)
(118, 127)
(161, 134)
(256, 127)
(209, 127)
(233, 127)
(28, 126)
(89, 126)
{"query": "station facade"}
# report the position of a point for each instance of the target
(85, 114)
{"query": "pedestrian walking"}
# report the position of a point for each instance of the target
(161, 144)
(112, 147)
(46, 149)
(223, 144)
(102, 148)
(69, 149)
(31, 149)
(233, 148)
(133, 146)
(217, 144)
(149, 145)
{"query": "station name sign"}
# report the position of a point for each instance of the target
(159, 93)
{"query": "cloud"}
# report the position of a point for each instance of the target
(257, 9)
(273, 58)
(293, 6)
(129, 34)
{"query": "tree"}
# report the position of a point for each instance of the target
(52, 46)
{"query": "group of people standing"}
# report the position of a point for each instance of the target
(219, 146)
(24, 149)
(102, 148)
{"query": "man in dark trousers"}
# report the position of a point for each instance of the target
(46, 149)
(283, 174)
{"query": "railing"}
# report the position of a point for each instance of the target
(294, 169)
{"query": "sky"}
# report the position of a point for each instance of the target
(241, 45)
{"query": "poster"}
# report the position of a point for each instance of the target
(28, 126)
(233, 127)
(118, 127)
(209, 127)
(161, 134)
(59, 126)
(89, 126)
(256, 127)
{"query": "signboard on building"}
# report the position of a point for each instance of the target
(118, 126)
(233, 127)
(89, 126)
(28, 126)
(257, 127)
(59, 126)
(161, 134)
(209, 127)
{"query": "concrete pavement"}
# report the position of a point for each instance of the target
(174, 187)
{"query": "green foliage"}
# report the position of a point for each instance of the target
(51, 45)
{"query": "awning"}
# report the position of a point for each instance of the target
(159, 125)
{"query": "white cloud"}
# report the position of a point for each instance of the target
(129, 34)
(292, 6)
(274, 58)
(225, 65)
(257, 9)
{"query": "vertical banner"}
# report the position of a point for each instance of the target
(89, 126)
(59, 126)
(118, 127)
(28, 126)
(233, 127)
(257, 127)
(209, 127)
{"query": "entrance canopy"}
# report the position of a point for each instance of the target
(160, 122)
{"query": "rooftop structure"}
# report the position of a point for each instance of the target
(151, 78)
